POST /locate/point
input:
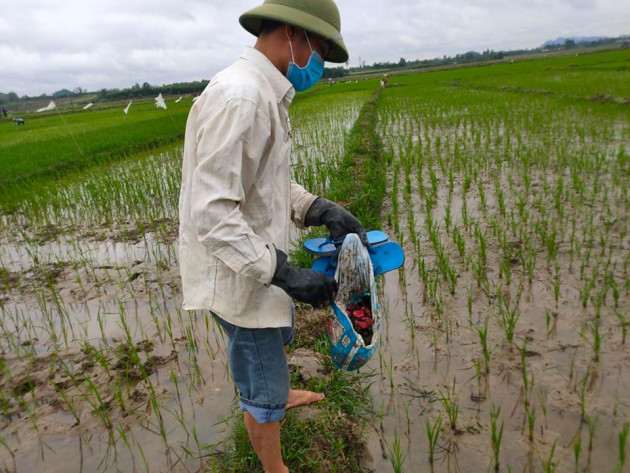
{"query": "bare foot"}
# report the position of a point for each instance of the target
(298, 397)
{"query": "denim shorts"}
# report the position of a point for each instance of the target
(259, 367)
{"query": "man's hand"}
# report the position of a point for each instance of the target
(338, 220)
(304, 285)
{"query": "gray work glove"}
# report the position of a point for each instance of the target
(304, 285)
(338, 220)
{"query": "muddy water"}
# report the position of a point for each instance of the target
(61, 445)
(20, 255)
(75, 302)
(429, 356)
(425, 366)
(84, 287)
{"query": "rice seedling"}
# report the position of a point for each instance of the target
(556, 285)
(466, 221)
(615, 290)
(99, 407)
(596, 341)
(591, 422)
(623, 437)
(482, 333)
(528, 259)
(582, 394)
(482, 197)
(542, 398)
(548, 464)
(505, 266)
(447, 217)
(496, 436)
(508, 315)
(577, 449)
(395, 455)
(145, 461)
(479, 375)
(451, 405)
(389, 368)
(433, 435)
(459, 241)
(531, 422)
(481, 240)
(624, 325)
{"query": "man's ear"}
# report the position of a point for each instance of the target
(292, 32)
(289, 32)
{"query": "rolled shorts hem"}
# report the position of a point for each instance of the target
(258, 365)
(263, 414)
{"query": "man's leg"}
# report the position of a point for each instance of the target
(258, 365)
(265, 440)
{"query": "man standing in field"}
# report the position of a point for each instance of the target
(237, 201)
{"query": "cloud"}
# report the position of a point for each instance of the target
(115, 44)
(420, 30)
(106, 44)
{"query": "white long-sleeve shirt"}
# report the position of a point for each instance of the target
(237, 197)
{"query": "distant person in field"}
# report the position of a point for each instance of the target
(4, 112)
(237, 201)
(18, 121)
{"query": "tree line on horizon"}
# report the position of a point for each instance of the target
(195, 87)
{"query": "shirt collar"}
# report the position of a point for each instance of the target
(280, 84)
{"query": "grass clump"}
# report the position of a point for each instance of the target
(323, 437)
(359, 182)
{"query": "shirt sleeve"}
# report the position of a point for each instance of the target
(301, 201)
(230, 145)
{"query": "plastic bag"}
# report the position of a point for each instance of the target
(350, 348)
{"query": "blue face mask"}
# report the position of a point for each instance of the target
(305, 77)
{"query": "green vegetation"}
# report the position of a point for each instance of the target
(359, 182)
(514, 179)
(508, 187)
(44, 149)
(331, 439)
(571, 77)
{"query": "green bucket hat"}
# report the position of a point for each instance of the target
(317, 16)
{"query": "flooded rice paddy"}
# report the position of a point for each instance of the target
(100, 367)
(505, 345)
(504, 339)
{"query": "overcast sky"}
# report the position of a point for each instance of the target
(47, 45)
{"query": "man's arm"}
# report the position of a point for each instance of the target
(301, 201)
(218, 187)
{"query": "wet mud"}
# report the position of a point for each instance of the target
(101, 369)
(558, 387)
